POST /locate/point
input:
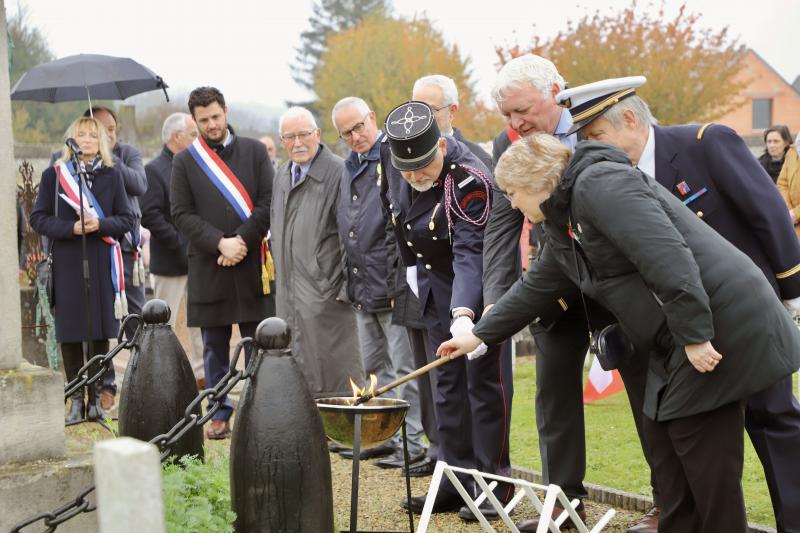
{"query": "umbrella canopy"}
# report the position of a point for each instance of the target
(85, 76)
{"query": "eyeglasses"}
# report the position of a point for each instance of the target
(302, 135)
(192, 134)
(437, 109)
(358, 128)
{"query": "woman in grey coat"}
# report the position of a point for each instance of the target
(699, 309)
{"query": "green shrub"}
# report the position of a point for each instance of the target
(197, 495)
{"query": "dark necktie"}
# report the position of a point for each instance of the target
(296, 175)
(218, 147)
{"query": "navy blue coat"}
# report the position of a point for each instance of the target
(362, 228)
(109, 190)
(740, 202)
(168, 248)
(448, 260)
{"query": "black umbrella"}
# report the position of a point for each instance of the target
(86, 76)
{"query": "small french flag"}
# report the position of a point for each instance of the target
(601, 383)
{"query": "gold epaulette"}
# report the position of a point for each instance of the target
(703, 130)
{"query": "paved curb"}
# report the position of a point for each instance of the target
(613, 497)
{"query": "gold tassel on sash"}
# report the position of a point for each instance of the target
(267, 267)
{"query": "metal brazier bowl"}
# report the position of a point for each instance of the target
(380, 419)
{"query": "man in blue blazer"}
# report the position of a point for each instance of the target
(713, 172)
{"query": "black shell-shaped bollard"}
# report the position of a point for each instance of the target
(280, 468)
(159, 384)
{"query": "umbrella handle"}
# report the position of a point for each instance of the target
(160, 82)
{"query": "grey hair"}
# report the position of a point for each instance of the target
(447, 85)
(348, 101)
(637, 106)
(296, 112)
(530, 68)
(173, 124)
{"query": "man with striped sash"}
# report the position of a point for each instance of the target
(220, 193)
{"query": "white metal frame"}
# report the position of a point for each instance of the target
(523, 489)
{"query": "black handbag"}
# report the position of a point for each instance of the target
(44, 268)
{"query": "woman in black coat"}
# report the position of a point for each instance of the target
(110, 217)
(701, 313)
(778, 140)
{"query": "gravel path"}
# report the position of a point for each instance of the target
(381, 491)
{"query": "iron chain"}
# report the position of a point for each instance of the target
(165, 441)
(104, 360)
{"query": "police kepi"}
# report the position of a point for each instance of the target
(590, 101)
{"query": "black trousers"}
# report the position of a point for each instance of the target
(217, 360)
(473, 407)
(424, 354)
(772, 421)
(72, 354)
(698, 463)
(561, 352)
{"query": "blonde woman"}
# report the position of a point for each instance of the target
(107, 216)
(675, 287)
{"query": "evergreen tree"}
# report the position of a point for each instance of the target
(329, 16)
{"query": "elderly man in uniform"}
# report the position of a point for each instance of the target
(309, 259)
(439, 210)
(711, 170)
(385, 347)
(226, 233)
(168, 248)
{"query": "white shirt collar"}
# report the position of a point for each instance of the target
(647, 161)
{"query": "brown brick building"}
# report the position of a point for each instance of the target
(769, 100)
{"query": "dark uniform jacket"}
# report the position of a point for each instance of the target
(168, 248)
(476, 150)
(218, 295)
(668, 278)
(362, 228)
(448, 260)
(740, 201)
(109, 190)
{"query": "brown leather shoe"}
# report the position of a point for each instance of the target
(218, 430)
(106, 400)
(648, 523)
(530, 526)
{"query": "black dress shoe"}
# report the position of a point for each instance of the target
(371, 453)
(396, 460)
(445, 503)
(76, 408)
(422, 468)
(486, 508)
(335, 447)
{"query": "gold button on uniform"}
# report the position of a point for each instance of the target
(408, 227)
(700, 214)
(410, 244)
(419, 255)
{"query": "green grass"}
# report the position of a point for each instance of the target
(613, 453)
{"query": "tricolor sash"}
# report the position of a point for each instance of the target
(69, 183)
(234, 192)
(222, 177)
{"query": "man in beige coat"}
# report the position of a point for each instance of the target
(309, 259)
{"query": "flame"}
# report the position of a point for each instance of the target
(358, 391)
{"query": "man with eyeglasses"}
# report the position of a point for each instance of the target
(169, 261)
(220, 193)
(441, 94)
(385, 345)
(309, 259)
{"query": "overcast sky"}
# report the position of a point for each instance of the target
(245, 47)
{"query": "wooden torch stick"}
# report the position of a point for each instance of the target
(408, 377)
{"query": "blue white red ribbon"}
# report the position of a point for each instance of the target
(69, 183)
(222, 177)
